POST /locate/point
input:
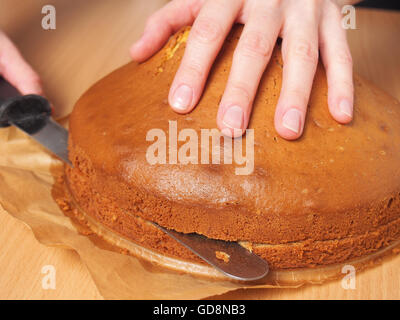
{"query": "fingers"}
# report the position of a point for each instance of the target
(338, 64)
(250, 59)
(263, 20)
(162, 24)
(300, 56)
(205, 40)
(16, 70)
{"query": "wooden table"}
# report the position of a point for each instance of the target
(92, 38)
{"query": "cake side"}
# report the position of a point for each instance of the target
(286, 255)
(334, 193)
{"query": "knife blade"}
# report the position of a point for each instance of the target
(228, 257)
(50, 135)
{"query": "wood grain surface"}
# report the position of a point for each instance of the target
(91, 39)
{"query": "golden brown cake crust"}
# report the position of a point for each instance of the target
(329, 196)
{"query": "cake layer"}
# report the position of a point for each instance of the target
(291, 255)
(329, 196)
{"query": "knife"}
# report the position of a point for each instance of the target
(32, 114)
(228, 257)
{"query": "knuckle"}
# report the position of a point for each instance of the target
(192, 71)
(306, 51)
(206, 30)
(344, 84)
(256, 44)
(238, 88)
(297, 94)
(344, 57)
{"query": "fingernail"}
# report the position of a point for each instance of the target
(346, 107)
(233, 117)
(182, 97)
(292, 120)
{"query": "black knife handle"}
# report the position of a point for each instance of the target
(7, 92)
(29, 112)
(3, 118)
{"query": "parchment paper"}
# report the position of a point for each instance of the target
(29, 184)
(27, 179)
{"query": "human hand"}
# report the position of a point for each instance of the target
(306, 27)
(16, 70)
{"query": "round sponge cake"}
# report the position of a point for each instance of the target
(328, 197)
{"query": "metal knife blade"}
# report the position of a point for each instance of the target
(50, 135)
(235, 261)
